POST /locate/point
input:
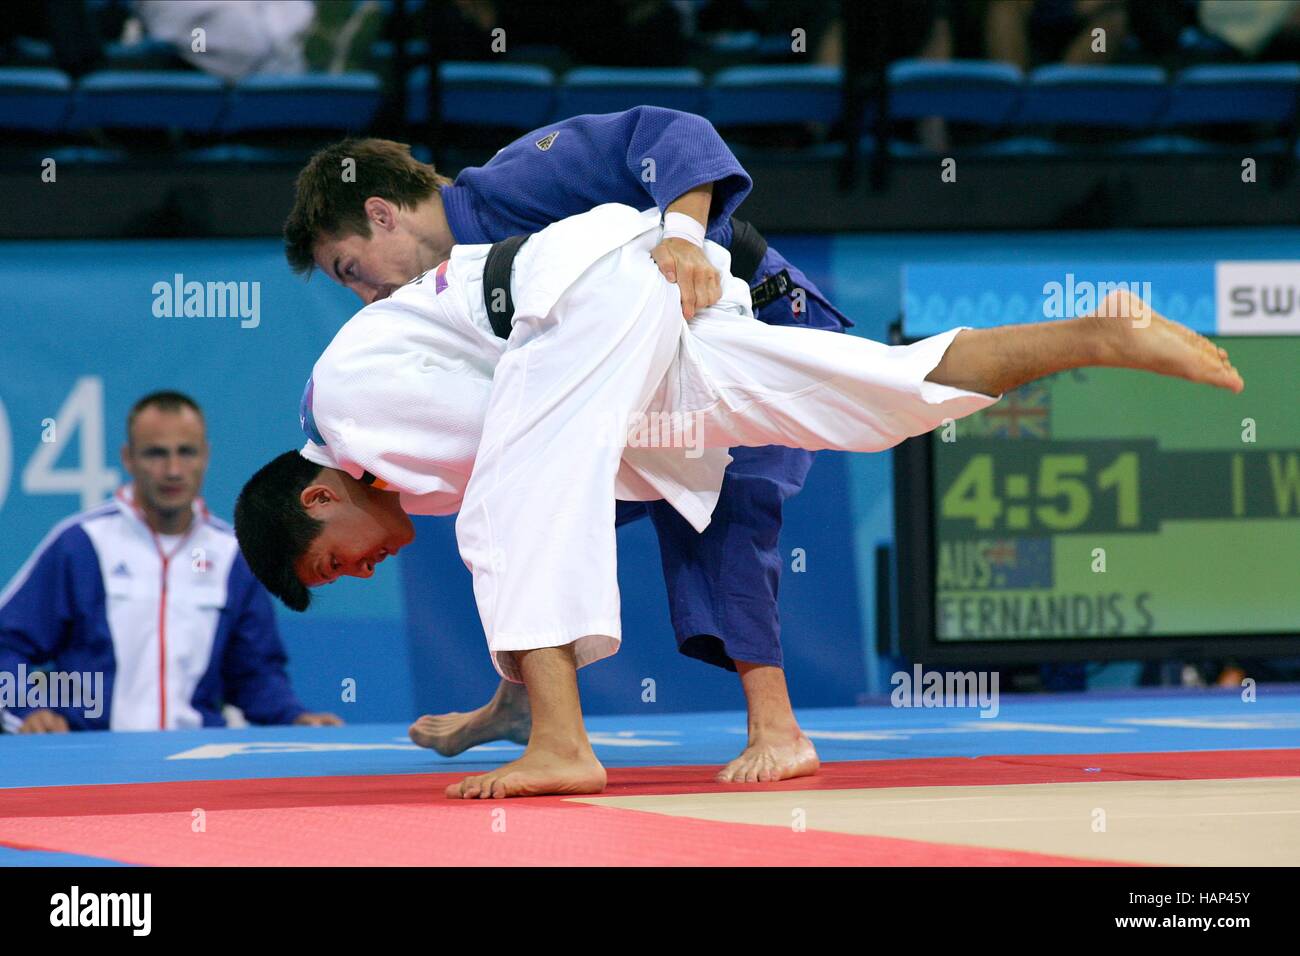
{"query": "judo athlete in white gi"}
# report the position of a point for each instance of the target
(418, 408)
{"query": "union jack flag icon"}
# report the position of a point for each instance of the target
(1024, 413)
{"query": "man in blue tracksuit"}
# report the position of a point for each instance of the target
(141, 613)
(372, 218)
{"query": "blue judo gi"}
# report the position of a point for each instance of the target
(722, 584)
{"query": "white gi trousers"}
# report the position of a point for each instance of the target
(536, 526)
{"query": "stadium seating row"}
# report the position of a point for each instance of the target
(998, 96)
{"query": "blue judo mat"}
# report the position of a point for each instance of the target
(1121, 722)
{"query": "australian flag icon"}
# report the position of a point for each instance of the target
(1021, 563)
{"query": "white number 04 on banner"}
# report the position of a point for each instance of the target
(82, 416)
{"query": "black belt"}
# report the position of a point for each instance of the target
(496, 284)
(748, 247)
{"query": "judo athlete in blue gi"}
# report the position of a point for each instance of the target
(522, 422)
(397, 218)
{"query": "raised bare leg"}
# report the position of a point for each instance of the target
(1123, 333)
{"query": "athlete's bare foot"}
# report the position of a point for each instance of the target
(541, 770)
(504, 717)
(772, 756)
(1160, 346)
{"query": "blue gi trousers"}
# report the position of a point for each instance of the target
(722, 584)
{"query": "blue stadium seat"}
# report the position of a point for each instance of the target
(611, 89)
(345, 103)
(89, 155)
(191, 102)
(774, 46)
(384, 49)
(31, 52)
(1018, 147)
(965, 91)
(34, 99)
(776, 95)
(485, 94)
(1250, 93)
(243, 154)
(1119, 96)
(733, 43)
(125, 56)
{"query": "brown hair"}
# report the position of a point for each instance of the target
(167, 401)
(325, 204)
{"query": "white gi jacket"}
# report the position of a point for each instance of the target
(402, 390)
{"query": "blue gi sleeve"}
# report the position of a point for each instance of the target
(684, 151)
(253, 666)
(36, 616)
(644, 156)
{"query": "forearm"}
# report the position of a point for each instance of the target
(694, 203)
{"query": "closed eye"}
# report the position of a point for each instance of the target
(328, 579)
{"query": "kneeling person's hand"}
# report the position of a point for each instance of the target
(44, 722)
(318, 720)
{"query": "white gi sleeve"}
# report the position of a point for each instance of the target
(405, 419)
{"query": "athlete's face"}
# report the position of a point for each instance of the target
(361, 528)
(166, 455)
(404, 242)
(372, 267)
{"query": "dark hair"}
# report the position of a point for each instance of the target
(167, 401)
(327, 204)
(273, 528)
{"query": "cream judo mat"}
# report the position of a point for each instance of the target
(1242, 822)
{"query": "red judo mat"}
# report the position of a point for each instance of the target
(403, 820)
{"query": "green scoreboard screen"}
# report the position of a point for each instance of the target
(1112, 504)
(1111, 507)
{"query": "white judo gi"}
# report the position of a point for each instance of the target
(529, 437)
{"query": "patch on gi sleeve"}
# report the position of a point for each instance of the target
(547, 141)
(306, 420)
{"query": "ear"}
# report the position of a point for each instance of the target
(126, 457)
(381, 213)
(318, 495)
